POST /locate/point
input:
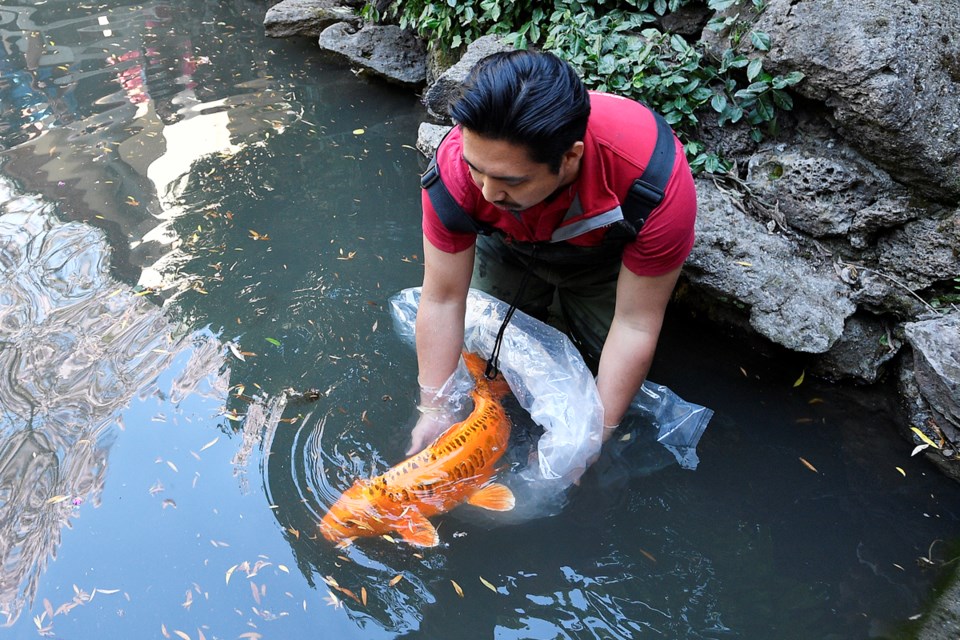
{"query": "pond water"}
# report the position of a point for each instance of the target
(198, 226)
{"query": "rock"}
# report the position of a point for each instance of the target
(789, 300)
(825, 188)
(429, 137)
(447, 85)
(866, 345)
(922, 252)
(889, 70)
(387, 51)
(306, 17)
(936, 366)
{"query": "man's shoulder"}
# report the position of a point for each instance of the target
(620, 130)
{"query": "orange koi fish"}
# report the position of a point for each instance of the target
(457, 467)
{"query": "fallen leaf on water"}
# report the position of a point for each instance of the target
(294, 532)
(363, 595)
(648, 556)
(173, 466)
(388, 538)
(488, 585)
(283, 568)
(457, 588)
(800, 379)
(273, 341)
(256, 592)
(902, 472)
(235, 351)
(230, 572)
(251, 635)
(163, 630)
(188, 601)
(395, 579)
(209, 444)
(181, 634)
(258, 236)
(167, 502)
(132, 201)
(358, 132)
(744, 263)
(924, 437)
(56, 499)
(808, 465)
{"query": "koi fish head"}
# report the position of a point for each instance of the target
(353, 515)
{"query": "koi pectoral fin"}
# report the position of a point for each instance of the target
(495, 497)
(415, 529)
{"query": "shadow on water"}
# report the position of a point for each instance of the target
(200, 231)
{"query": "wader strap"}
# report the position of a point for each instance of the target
(493, 362)
(646, 192)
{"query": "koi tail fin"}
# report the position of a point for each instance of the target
(477, 366)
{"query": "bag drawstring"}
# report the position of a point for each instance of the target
(493, 362)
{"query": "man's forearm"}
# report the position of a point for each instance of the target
(439, 334)
(624, 363)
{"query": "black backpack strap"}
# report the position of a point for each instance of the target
(646, 192)
(451, 214)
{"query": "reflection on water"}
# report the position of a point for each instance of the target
(76, 347)
(119, 158)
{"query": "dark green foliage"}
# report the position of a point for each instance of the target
(616, 47)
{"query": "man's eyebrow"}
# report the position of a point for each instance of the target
(503, 178)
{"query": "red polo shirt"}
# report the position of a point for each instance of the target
(620, 137)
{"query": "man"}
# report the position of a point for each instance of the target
(544, 165)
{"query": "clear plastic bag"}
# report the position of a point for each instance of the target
(551, 381)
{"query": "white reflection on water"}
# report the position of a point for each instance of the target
(75, 347)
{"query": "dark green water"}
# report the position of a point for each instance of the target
(177, 190)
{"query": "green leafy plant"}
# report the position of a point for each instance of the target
(616, 48)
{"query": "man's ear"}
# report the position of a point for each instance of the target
(572, 156)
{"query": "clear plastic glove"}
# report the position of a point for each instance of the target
(439, 409)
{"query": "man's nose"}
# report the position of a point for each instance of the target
(493, 191)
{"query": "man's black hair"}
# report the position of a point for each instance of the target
(533, 99)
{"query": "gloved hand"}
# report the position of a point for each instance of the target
(438, 411)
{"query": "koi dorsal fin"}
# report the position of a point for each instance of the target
(476, 365)
(415, 529)
(495, 497)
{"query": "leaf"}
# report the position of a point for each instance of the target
(917, 449)
(924, 437)
(230, 572)
(363, 595)
(760, 40)
(808, 465)
(57, 499)
(358, 132)
(754, 69)
(800, 379)
(457, 588)
(395, 579)
(235, 351)
(488, 585)
(181, 634)
(273, 341)
(902, 472)
(209, 444)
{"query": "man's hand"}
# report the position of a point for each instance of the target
(430, 425)
(438, 411)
